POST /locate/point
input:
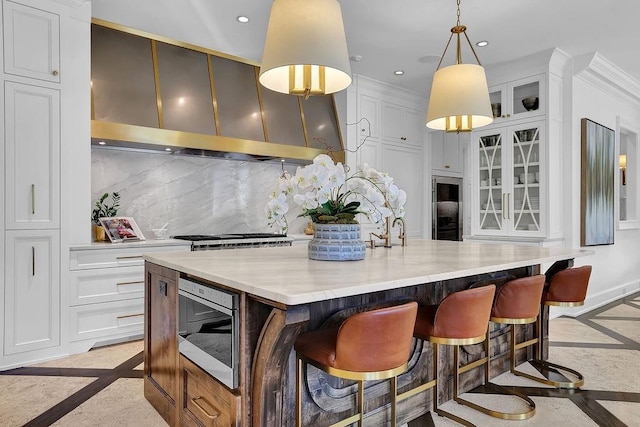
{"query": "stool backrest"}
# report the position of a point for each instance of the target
(519, 298)
(464, 314)
(376, 340)
(569, 285)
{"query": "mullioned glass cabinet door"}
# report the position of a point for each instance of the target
(491, 183)
(526, 155)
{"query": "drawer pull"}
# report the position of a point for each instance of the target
(194, 400)
(130, 257)
(130, 315)
(140, 282)
(33, 199)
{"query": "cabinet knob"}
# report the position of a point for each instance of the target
(508, 115)
(55, 72)
(404, 138)
(447, 166)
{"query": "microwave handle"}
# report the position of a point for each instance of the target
(203, 301)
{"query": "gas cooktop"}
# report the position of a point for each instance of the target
(201, 237)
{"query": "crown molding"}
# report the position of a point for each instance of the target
(599, 71)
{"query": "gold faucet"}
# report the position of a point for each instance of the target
(386, 236)
(402, 235)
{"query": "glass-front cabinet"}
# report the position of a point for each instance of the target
(508, 194)
(518, 99)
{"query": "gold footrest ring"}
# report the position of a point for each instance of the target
(498, 414)
(560, 384)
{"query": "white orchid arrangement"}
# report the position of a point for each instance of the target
(327, 195)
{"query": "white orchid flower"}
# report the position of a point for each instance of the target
(307, 200)
(323, 160)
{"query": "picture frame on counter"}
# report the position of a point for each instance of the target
(121, 229)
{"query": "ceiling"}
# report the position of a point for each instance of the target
(409, 35)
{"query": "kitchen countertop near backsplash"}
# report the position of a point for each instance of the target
(195, 195)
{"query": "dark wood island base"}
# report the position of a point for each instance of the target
(280, 293)
(266, 395)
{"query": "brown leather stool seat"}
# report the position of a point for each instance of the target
(371, 345)
(462, 318)
(567, 288)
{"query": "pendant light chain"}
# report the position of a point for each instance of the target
(458, 23)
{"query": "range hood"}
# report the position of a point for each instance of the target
(152, 94)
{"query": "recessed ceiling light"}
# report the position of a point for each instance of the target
(482, 43)
(398, 72)
(102, 143)
(242, 19)
(356, 58)
(167, 149)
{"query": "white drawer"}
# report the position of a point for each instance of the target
(106, 319)
(115, 257)
(106, 284)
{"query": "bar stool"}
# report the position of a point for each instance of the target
(371, 345)
(566, 288)
(462, 318)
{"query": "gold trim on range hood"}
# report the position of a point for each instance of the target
(119, 135)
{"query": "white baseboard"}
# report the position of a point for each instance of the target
(598, 300)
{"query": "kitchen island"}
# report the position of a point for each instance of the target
(283, 293)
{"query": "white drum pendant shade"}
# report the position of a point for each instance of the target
(459, 91)
(305, 32)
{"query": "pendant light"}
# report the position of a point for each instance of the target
(459, 99)
(305, 52)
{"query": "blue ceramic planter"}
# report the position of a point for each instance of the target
(336, 242)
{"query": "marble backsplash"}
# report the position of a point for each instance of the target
(195, 195)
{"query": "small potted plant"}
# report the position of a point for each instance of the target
(102, 209)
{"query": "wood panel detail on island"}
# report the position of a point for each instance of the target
(283, 294)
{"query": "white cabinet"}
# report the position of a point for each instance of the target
(508, 100)
(106, 292)
(446, 152)
(369, 106)
(32, 290)
(401, 124)
(508, 197)
(32, 144)
(31, 42)
(405, 165)
(391, 140)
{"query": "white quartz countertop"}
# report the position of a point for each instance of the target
(288, 276)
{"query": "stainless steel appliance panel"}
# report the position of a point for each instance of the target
(447, 208)
(208, 333)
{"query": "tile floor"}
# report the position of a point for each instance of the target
(104, 386)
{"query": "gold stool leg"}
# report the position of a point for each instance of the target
(543, 363)
(393, 391)
(360, 401)
(437, 410)
(499, 389)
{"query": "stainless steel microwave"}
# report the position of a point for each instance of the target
(208, 331)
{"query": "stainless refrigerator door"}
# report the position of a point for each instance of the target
(447, 208)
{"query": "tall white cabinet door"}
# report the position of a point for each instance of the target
(32, 141)
(406, 167)
(32, 291)
(31, 42)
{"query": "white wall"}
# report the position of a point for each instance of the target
(616, 268)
